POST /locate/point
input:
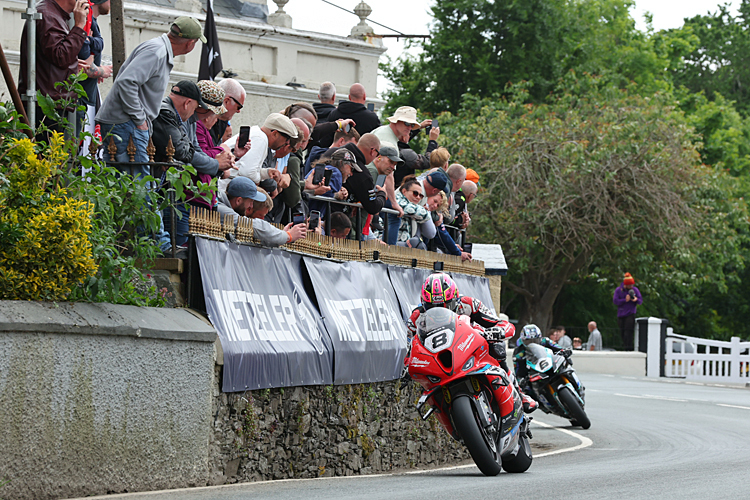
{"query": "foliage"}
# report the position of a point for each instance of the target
(598, 178)
(535, 40)
(719, 62)
(105, 215)
(45, 251)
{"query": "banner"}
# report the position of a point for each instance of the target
(361, 313)
(270, 331)
(210, 65)
(475, 286)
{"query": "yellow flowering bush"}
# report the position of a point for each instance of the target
(45, 250)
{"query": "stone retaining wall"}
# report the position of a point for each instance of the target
(307, 432)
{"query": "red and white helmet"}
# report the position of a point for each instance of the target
(439, 290)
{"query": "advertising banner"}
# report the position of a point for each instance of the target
(362, 316)
(270, 331)
(475, 286)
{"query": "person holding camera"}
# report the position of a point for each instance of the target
(627, 297)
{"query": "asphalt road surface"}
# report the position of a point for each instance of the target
(648, 440)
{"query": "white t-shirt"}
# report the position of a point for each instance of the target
(251, 164)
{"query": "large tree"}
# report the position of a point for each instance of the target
(596, 176)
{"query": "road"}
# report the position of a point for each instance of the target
(648, 439)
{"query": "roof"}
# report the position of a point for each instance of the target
(493, 257)
(235, 9)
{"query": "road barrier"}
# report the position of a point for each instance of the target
(706, 360)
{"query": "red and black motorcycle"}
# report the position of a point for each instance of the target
(470, 394)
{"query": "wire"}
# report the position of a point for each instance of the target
(352, 12)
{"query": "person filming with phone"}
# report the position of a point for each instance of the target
(327, 178)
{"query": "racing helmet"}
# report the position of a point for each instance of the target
(439, 290)
(530, 334)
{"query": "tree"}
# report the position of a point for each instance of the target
(595, 177)
(533, 40)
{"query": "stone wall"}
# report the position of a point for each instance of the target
(307, 432)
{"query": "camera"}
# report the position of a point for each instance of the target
(631, 292)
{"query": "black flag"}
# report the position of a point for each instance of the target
(211, 55)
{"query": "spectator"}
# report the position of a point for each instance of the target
(234, 101)
(93, 46)
(340, 139)
(270, 187)
(457, 175)
(472, 175)
(177, 122)
(577, 344)
(341, 226)
(399, 131)
(562, 338)
(290, 193)
(365, 121)
(385, 164)
(238, 200)
(260, 210)
(463, 197)
(341, 164)
(213, 95)
(327, 97)
(595, 338)
(416, 221)
(258, 162)
(439, 158)
(361, 185)
(627, 297)
(57, 48)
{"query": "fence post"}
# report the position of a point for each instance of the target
(650, 337)
(734, 360)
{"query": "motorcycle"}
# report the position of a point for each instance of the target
(555, 385)
(470, 394)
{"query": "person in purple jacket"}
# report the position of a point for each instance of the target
(627, 297)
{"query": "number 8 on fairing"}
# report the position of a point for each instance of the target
(439, 340)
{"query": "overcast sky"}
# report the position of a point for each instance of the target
(412, 17)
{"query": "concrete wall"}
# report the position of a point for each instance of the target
(265, 57)
(97, 398)
(631, 364)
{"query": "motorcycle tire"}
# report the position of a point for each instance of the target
(522, 461)
(468, 427)
(571, 403)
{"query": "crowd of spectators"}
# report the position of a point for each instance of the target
(334, 159)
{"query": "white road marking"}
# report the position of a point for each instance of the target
(647, 396)
(585, 442)
(734, 406)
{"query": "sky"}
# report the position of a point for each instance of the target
(412, 17)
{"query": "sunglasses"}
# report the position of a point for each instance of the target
(418, 194)
(239, 106)
(376, 151)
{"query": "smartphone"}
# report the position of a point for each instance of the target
(319, 173)
(314, 220)
(468, 247)
(435, 124)
(381, 180)
(347, 127)
(327, 177)
(298, 218)
(371, 106)
(244, 137)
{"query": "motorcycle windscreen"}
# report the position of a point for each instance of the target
(435, 320)
(537, 356)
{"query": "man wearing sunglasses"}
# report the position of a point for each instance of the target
(234, 101)
(257, 161)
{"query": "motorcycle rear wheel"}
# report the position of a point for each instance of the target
(522, 461)
(574, 408)
(468, 426)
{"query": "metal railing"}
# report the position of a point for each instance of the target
(357, 229)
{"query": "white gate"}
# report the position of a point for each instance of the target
(706, 360)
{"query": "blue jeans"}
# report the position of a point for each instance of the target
(182, 225)
(393, 222)
(140, 139)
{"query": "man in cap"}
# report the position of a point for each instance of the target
(177, 122)
(57, 48)
(386, 164)
(258, 163)
(238, 200)
(135, 98)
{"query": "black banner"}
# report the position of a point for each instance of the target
(211, 54)
(360, 310)
(270, 331)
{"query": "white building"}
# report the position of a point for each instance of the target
(265, 53)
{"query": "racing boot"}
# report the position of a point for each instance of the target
(529, 405)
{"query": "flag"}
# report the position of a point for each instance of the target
(211, 55)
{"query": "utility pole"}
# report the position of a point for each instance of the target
(117, 25)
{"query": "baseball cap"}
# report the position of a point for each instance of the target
(279, 122)
(390, 151)
(212, 95)
(269, 185)
(243, 187)
(439, 180)
(189, 89)
(343, 154)
(188, 27)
